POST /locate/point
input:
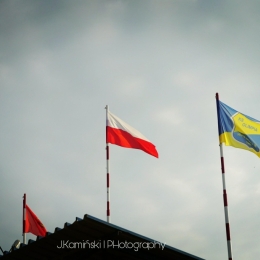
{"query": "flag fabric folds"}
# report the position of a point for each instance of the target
(238, 130)
(120, 133)
(33, 224)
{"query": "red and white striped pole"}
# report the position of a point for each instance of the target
(24, 216)
(229, 246)
(108, 182)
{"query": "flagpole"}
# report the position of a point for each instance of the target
(225, 200)
(24, 216)
(108, 182)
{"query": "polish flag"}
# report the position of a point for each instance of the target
(122, 134)
(33, 224)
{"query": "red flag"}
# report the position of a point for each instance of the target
(33, 224)
(122, 134)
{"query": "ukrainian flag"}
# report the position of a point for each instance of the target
(238, 130)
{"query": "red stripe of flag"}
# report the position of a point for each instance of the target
(124, 139)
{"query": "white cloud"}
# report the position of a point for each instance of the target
(170, 115)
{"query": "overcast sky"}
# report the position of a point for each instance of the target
(158, 65)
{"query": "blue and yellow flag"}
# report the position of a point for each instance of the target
(238, 130)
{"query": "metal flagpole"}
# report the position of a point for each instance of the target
(108, 182)
(229, 246)
(24, 216)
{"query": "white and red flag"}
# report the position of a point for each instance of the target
(120, 133)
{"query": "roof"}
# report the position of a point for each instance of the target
(92, 238)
